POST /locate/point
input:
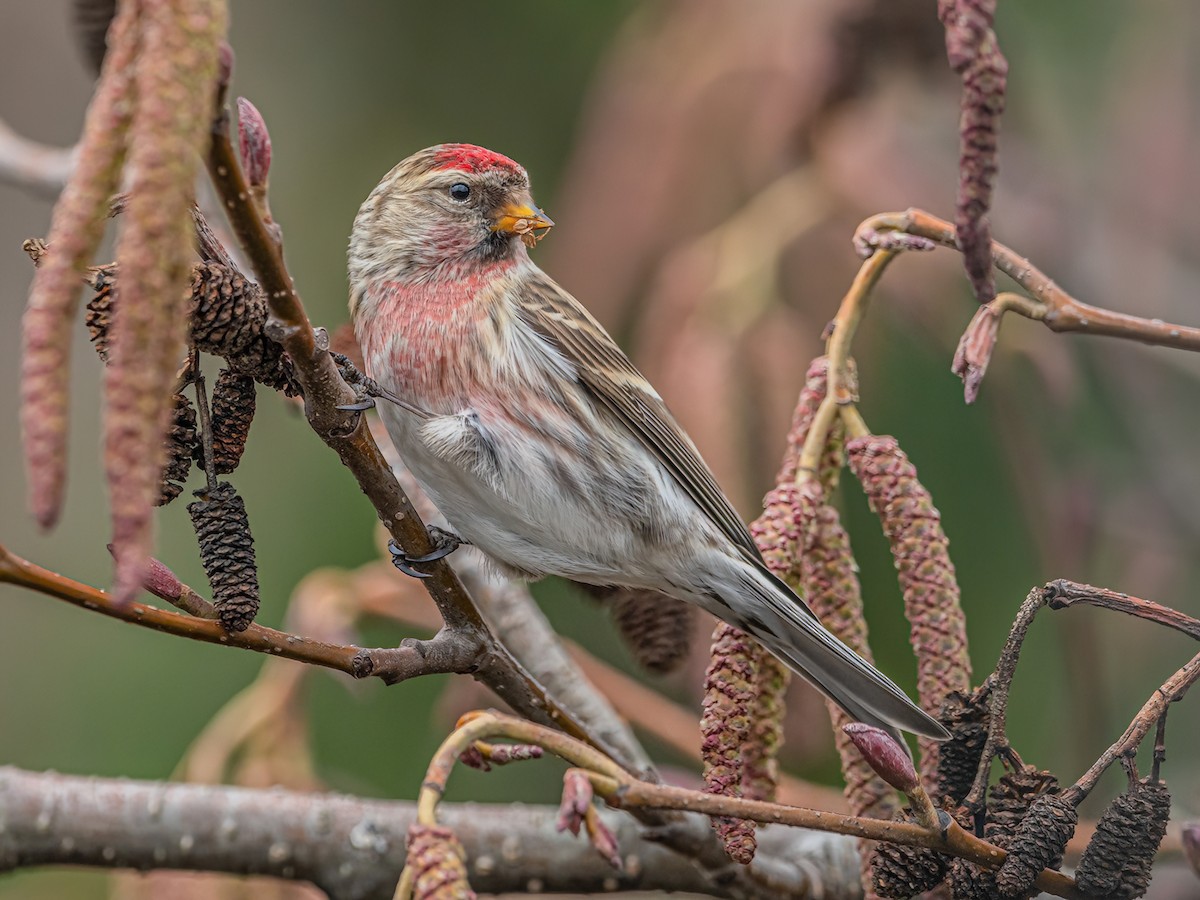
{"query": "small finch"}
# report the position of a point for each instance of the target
(535, 435)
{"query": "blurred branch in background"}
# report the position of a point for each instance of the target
(38, 168)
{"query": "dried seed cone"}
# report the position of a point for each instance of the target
(725, 727)
(1011, 798)
(1037, 843)
(969, 882)
(655, 627)
(99, 312)
(181, 443)
(1118, 858)
(899, 872)
(437, 861)
(920, 550)
(233, 400)
(966, 718)
(227, 552)
(229, 314)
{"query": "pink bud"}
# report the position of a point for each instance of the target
(576, 800)
(603, 839)
(884, 755)
(975, 351)
(1191, 844)
(254, 143)
(473, 758)
(159, 580)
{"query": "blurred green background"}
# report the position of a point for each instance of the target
(644, 127)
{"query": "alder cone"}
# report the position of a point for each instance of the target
(1011, 798)
(966, 718)
(1037, 843)
(233, 404)
(228, 316)
(657, 628)
(180, 442)
(98, 313)
(227, 552)
(1118, 858)
(899, 872)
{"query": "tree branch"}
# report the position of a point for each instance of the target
(353, 849)
(1050, 304)
(1062, 594)
(36, 167)
(1154, 709)
(621, 790)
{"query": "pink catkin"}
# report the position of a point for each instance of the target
(974, 54)
(437, 862)
(176, 74)
(75, 230)
(725, 728)
(927, 580)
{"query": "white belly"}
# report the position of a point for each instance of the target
(610, 516)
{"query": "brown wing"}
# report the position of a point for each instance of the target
(609, 375)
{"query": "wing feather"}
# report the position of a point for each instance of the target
(605, 371)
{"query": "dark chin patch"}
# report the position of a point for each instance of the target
(496, 246)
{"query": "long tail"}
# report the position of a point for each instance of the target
(784, 624)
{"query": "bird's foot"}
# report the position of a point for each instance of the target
(444, 543)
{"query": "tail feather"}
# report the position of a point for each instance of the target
(788, 628)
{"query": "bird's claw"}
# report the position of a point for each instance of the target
(444, 543)
(362, 405)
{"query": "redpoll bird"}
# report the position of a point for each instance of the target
(535, 435)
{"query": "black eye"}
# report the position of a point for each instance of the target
(460, 191)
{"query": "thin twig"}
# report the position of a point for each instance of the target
(1154, 709)
(998, 685)
(838, 393)
(1062, 594)
(1050, 305)
(205, 420)
(390, 665)
(623, 791)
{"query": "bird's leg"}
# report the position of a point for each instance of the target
(444, 543)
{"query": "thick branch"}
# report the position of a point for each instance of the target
(352, 849)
